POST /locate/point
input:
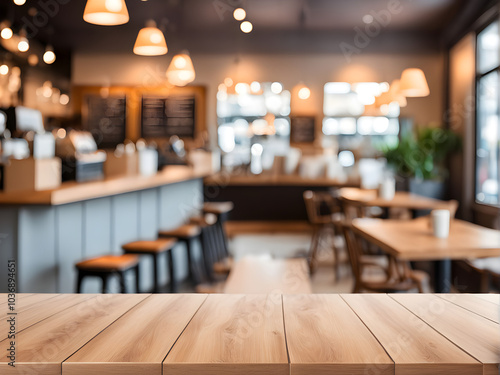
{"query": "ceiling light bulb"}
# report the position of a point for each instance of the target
(4, 69)
(6, 33)
(304, 93)
(49, 56)
(276, 88)
(23, 45)
(246, 27)
(239, 14)
(64, 100)
(106, 12)
(180, 62)
(19, 2)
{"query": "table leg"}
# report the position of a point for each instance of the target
(443, 276)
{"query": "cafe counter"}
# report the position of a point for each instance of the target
(47, 232)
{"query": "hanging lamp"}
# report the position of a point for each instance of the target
(180, 72)
(150, 41)
(106, 12)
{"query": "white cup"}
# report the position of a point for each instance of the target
(387, 189)
(440, 221)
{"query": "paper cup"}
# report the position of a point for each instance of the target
(440, 222)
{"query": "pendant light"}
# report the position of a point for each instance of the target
(180, 72)
(413, 83)
(23, 44)
(106, 12)
(150, 41)
(49, 56)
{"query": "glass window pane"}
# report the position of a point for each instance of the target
(488, 55)
(487, 153)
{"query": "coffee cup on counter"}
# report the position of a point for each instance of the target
(387, 189)
(440, 223)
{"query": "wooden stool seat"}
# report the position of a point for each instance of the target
(106, 266)
(184, 231)
(223, 267)
(203, 221)
(110, 263)
(150, 247)
(217, 208)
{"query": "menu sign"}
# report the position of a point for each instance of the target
(106, 119)
(164, 117)
(302, 129)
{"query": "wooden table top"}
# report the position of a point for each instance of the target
(402, 199)
(176, 334)
(264, 275)
(413, 239)
(226, 179)
(72, 191)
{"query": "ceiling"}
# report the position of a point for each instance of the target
(279, 25)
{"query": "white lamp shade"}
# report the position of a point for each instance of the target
(413, 83)
(150, 42)
(106, 12)
(180, 72)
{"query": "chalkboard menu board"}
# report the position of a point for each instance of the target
(302, 129)
(106, 119)
(164, 117)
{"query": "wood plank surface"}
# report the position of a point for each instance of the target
(232, 334)
(472, 333)
(41, 348)
(402, 199)
(71, 191)
(414, 346)
(413, 239)
(276, 180)
(145, 335)
(31, 311)
(495, 298)
(264, 275)
(19, 296)
(480, 306)
(324, 336)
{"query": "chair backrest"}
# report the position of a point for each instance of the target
(354, 250)
(311, 207)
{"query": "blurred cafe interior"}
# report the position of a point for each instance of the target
(214, 148)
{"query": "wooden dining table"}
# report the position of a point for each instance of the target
(226, 334)
(412, 240)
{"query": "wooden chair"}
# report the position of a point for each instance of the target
(154, 249)
(322, 224)
(107, 266)
(221, 211)
(398, 276)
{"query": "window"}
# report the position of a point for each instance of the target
(487, 112)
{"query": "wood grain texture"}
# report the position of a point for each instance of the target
(71, 191)
(30, 311)
(42, 347)
(402, 199)
(472, 333)
(325, 336)
(480, 306)
(495, 298)
(145, 335)
(413, 239)
(232, 334)
(414, 346)
(264, 275)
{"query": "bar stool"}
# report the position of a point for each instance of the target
(155, 248)
(185, 234)
(220, 210)
(106, 266)
(209, 243)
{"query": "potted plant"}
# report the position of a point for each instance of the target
(419, 159)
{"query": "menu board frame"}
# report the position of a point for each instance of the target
(307, 121)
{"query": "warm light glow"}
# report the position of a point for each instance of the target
(255, 87)
(276, 88)
(106, 12)
(4, 69)
(181, 76)
(49, 56)
(6, 33)
(367, 18)
(239, 14)
(150, 41)
(61, 133)
(23, 45)
(304, 93)
(242, 88)
(246, 27)
(19, 2)
(396, 95)
(33, 60)
(413, 83)
(64, 100)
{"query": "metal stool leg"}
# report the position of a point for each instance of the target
(121, 276)
(170, 261)
(79, 281)
(137, 279)
(104, 283)
(156, 287)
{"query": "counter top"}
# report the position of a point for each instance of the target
(297, 334)
(227, 179)
(70, 192)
